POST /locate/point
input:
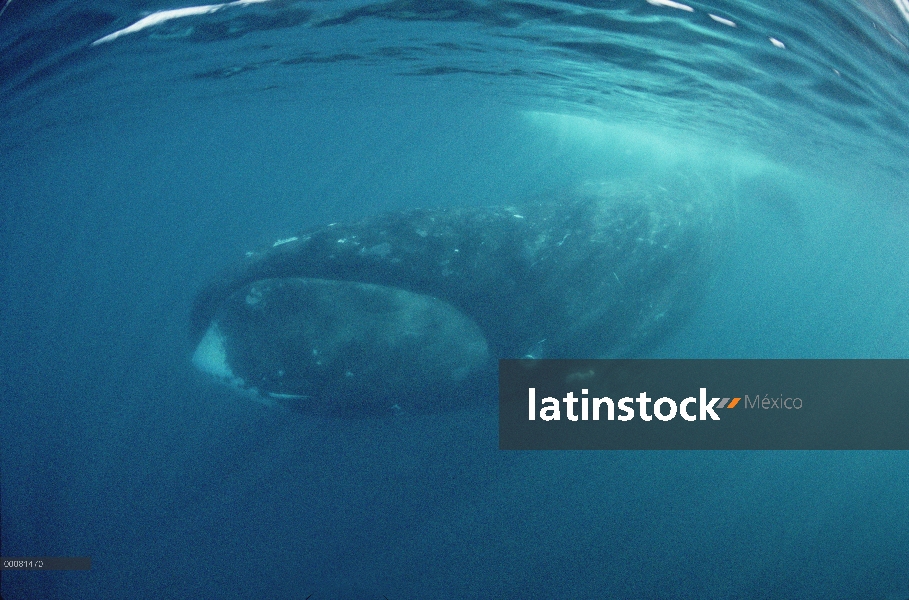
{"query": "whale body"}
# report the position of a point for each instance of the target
(410, 310)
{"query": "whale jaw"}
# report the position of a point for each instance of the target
(342, 348)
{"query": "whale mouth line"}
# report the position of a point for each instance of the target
(357, 347)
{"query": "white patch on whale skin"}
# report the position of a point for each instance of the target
(284, 241)
(211, 358)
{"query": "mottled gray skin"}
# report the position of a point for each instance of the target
(603, 272)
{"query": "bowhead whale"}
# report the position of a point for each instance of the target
(410, 310)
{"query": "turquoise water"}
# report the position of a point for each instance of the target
(135, 166)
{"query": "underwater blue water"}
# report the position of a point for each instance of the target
(134, 168)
